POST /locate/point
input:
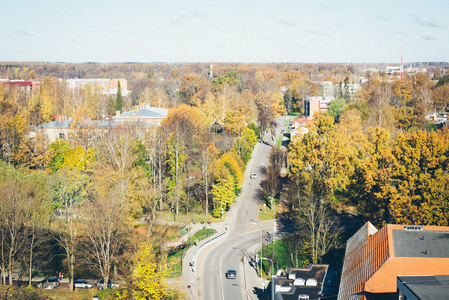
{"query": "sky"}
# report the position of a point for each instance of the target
(240, 31)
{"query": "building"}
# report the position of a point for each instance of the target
(108, 86)
(313, 105)
(423, 287)
(27, 86)
(144, 112)
(375, 258)
(298, 127)
(64, 128)
(300, 283)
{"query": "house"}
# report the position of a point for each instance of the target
(374, 259)
(299, 128)
(300, 283)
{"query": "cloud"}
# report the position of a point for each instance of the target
(330, 7)
(318, 32)
(21, 32)
(287, 23)
(414, 19)
(429, 37)
(180, 20)
(380, 17)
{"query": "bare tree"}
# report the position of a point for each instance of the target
(106, 232)
(13, 215)
(319, 225)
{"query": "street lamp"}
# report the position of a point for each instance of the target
(269, 260)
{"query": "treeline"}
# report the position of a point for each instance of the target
(399, 179)
(194, 161)
(95, 191)
(375, 151)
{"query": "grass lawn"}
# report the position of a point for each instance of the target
(267, 212)
(60, 294)
(175, 258)
(190, 218)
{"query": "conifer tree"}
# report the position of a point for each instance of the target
(119, 99)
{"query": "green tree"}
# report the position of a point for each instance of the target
(72, 188)
(56, 153)
(335, 108)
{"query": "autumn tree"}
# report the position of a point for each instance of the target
(176, 157)
(368, 186)
(149, 273)
(380, 110)
(208, 155)
(419, 180)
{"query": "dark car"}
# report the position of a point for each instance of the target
(48, 283)
(100, 284)
(82, 284)
(231, 274)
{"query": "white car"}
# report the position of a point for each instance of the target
(82, 284)
(253, 176)
(111, 284)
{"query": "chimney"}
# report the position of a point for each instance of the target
(117, 113)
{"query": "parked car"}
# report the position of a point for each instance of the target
(100, 284)
(48, 283)
(82, 284)
(253, 176)
(231, 274)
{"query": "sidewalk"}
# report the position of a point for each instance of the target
(189, 277)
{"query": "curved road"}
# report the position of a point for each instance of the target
(242, 222)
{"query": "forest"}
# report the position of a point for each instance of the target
(81, 204)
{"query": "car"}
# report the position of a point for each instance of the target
(48, 283)
(253, 176)
(111, 284)
(82, 284)
(231, 274)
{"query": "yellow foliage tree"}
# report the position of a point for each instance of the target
(149, 277)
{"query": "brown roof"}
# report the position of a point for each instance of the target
(371, 266)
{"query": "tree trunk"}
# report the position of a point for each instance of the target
(30, 270)
(72, 271)
(10, 261)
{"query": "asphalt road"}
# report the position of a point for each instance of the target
(242, 221)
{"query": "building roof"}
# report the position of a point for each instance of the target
(144, 111)
(289, 291)
(66, 124)
(420, 244)
(424, 287)
(374, 258)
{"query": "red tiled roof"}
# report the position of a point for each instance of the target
(18, 83)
